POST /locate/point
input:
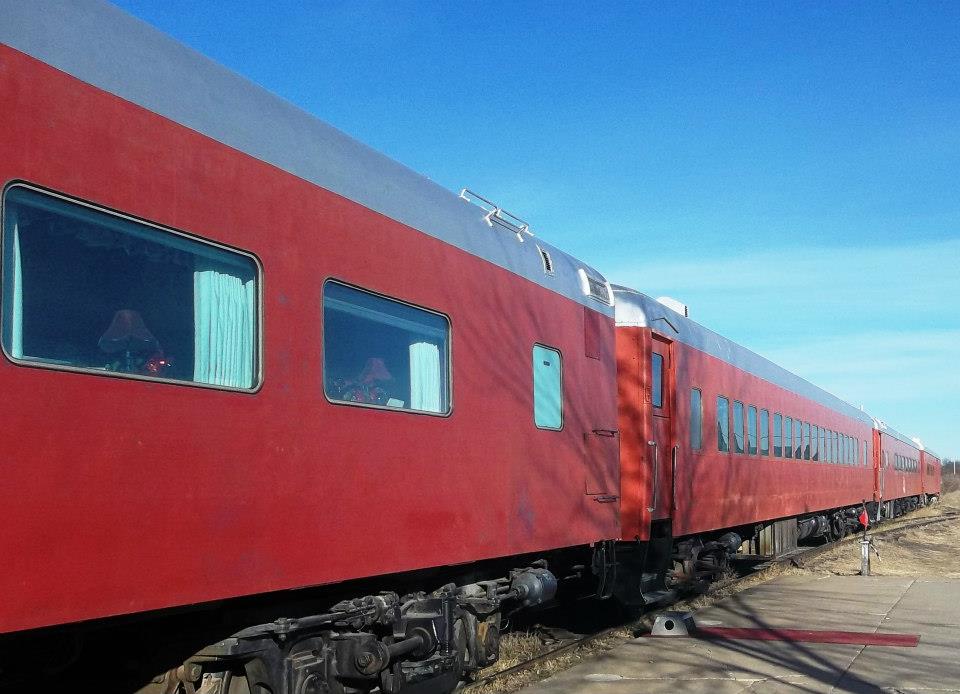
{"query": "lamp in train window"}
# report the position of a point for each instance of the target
(137, 349)
(372, 385)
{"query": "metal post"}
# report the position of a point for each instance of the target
(865, 555)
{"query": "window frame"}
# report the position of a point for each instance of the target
(563, 418)
(798, 439)
(753, 446)
(656, 379)
(699, 393)
(764, 423)
(373, 406)
(777, 435)
(258, 370)
(716, 419)
(788, 435)
(738, 407)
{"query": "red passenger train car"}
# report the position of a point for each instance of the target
(246, 354)
(286, 416)
(931, 468)
(716, 440)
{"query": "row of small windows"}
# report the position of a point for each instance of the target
(90, 290)
(906, 464)
(792, 438)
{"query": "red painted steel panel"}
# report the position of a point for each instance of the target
(121, 496)
(932, 471)
(636, 487)
(896, 484)
(712, 489)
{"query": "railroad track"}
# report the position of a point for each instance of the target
(798, 559)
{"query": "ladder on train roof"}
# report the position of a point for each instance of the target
(497, 215)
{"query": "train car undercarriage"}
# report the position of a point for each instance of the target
(396, 641)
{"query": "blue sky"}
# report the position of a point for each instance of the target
(789, 170)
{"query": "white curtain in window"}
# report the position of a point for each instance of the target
(224, 330)
(425, 377)
(15, 287)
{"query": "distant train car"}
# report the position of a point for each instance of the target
(716, 440)
(932, 469)
(899, 474)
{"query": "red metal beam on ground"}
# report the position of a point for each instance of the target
(807, 636)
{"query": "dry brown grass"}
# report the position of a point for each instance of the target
(951, 482)
(925, 551)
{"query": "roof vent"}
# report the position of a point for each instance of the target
(547, 261)
(674, 305)
(497, 215)
(595, 288)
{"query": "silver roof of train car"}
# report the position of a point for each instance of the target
(114, 51)
(888, 430)
(640, 310)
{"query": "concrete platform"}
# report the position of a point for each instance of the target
(926, 606)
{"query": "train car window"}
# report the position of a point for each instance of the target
(806, 440)
(797, 439)
(787, 437)
(656, 379)
(381, 352)
(855, 443)
(752, 430)
(835, 445)
(737, 427)
(777, 434)
(723, 424)
(696, 419)
(844, 460)
(865, 446)
(91, 290)
(764, 432)
(547, 388)
(814, 442)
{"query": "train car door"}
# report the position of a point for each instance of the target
(878, 467)
(660, 444)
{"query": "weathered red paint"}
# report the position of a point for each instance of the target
(121, 496)
(710, 489)
(932, 470)
(893, 483)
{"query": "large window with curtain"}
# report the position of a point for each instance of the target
(87, 289)
(381, 352)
